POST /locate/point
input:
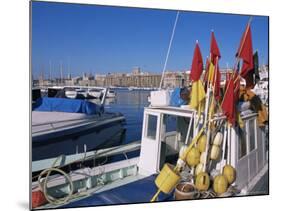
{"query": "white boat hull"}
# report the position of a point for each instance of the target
(75, 136)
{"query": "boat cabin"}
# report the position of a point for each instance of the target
(165, 130)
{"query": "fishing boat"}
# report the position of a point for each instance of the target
(62, 126)
(132, 180)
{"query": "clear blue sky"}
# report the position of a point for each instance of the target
(99, 39)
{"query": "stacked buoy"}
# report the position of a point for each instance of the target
(202, 143)
(215, 150)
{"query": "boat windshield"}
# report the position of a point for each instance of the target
(173, 136)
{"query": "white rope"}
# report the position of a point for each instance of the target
(169, 48)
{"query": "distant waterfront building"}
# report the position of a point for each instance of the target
(174, 79)
(136, 78)
(136, 71)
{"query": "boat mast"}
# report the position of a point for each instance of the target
(61, 75)
(50, 70)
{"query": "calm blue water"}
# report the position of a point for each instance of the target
(131, 104)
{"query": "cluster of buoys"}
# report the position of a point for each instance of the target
(195, 157)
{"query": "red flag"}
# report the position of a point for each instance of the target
(245, 51)
(227, 79)
(228, 104)
(215, 52)
(197, 64)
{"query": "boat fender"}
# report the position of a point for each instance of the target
(38, 199)
(230, 173)
(202, 181)
(215, 152)
(193, 157)
(218, 139)
(220, 184)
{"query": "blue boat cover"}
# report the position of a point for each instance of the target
(176, 99)
(140, 191)
(66, 105)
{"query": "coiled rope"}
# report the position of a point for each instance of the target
(43, 185)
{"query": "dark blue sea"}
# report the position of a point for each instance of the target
(131, 104)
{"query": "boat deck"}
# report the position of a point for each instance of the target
(139, 191)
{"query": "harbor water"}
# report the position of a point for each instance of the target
(131, 104)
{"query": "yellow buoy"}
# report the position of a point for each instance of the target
(230, 173)
(215, 152)
(220, 184)
(167, 179)
(202, 181)
(203, 157)
(199, 168)
(193, 157)
(218, 139)
(202, 143)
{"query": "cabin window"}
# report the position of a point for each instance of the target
(151, 127)
(173, 133)
(242, 146)
(252, 135)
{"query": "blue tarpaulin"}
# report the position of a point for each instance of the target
(66, 105)
(176, 99)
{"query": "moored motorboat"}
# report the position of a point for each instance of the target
(95, 92)
(111, 94)
(63, 126)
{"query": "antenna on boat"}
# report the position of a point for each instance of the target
(61, 72)
(169, 48)
(50, 68)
